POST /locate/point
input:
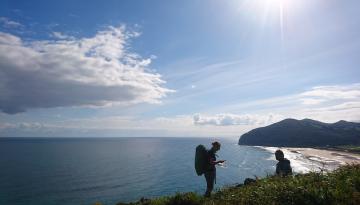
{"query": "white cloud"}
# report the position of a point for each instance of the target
(96, 71)
(7, 23)
(325, 103)
(312, 101)
(30, 125)
(349, 111)
(328, 94)
(6, 125)
(10, 40)
(126, 126)
(30, 129)
(60, 35)
(232, 119)
(204, 124)
(330, 103)
(26, 126)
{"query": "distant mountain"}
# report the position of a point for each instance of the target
(303, 133)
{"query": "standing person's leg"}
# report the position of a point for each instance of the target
(210, 179)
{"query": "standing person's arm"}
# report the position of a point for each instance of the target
(213, 162)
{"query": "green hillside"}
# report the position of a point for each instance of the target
(341, 186)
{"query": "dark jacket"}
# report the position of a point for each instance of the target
(212, 157)
(283, 167)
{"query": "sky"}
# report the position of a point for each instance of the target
(182, 68)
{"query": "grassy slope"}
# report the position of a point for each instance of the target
(341, 186)
(350, 148)
(344, 148)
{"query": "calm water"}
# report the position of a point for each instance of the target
(64, 171)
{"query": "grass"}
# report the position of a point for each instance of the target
(343, 148)
(340, 187)
(350, 148)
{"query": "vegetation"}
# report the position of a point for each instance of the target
(349, 148)
(341, 186)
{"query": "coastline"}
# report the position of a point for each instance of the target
(304, 160)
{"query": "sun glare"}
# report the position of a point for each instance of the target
(257, 7)
(268, 12)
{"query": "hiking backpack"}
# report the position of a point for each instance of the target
(201, 160)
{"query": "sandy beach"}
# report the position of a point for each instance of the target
(327, 156)
(310, 159)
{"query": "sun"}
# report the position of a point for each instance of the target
(266, 11)
(267, 5)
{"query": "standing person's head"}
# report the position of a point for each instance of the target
(216, 146)
(279, 155)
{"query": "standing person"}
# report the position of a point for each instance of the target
(283, 167)
(210, 173)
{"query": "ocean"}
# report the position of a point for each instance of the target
(75, 171)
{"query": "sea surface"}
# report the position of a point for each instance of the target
(75, 171)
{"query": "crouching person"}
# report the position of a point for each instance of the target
(283, 167)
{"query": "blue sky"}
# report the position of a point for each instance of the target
(175, 68)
